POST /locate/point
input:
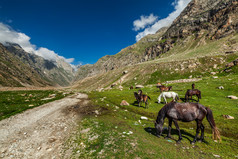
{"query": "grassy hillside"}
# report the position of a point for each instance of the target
(116, 131)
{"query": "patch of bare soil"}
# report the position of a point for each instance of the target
(41, 132)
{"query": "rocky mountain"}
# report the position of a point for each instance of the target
(201, 22)
(24, 69)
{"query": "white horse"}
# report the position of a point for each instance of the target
(168, 95)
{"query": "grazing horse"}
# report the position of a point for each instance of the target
(164, 88)
(141, 98)
(186, 112)
(168, 95)
(191, 92)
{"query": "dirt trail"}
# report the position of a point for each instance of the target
(40, 132)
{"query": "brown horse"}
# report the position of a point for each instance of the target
(186, 112)
(191, 92)
(131, 87)
(141, 98)
(164, 88)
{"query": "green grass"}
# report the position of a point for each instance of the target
(107, 129)
(13, 102)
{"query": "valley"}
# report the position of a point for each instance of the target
(50, 108)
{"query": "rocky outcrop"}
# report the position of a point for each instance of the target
(209, 19)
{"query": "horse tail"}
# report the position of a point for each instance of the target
(210, 119)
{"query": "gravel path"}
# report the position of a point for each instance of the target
(40, 132)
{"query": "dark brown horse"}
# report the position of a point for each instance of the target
(164, 88)
(186, 112)
(191, 92)
(131, 87)
(141, 98)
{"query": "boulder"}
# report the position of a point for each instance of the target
(125, 72)
(143, 118)
(124, 103)
(220, 87)
(228, 117)
(232, 97)
(139, 86)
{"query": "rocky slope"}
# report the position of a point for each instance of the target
(25, 69)
(200, 22)
(14, 72)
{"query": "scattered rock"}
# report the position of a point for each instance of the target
(191, 76)
(220, 87)
(85, 130)
(216, 156)
(232, 97)
(31, 105)
(30, 95)
(139, 86)
(213, 73)
(124, 103)
(215, 77)
(52, 95)
(143, 118)
(125, 72)
(96, 112)
(228, 117)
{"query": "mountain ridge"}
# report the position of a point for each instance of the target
(52, 73)
(198, 22)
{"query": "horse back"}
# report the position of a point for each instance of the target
(186, 111)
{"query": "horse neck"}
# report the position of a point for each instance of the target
(161, 116)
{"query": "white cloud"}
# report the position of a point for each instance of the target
(179, 6)
(144, 21)
(9, 35)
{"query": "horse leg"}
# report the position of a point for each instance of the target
(197, 131)
(202, 133)
(198, 97)
(177, 127)
(169, 129)
(165, 100)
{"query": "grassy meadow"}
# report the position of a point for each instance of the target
(13, 102)
(116, 131)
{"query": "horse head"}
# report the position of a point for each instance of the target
(158, 128)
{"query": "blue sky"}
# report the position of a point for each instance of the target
(84, 30)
